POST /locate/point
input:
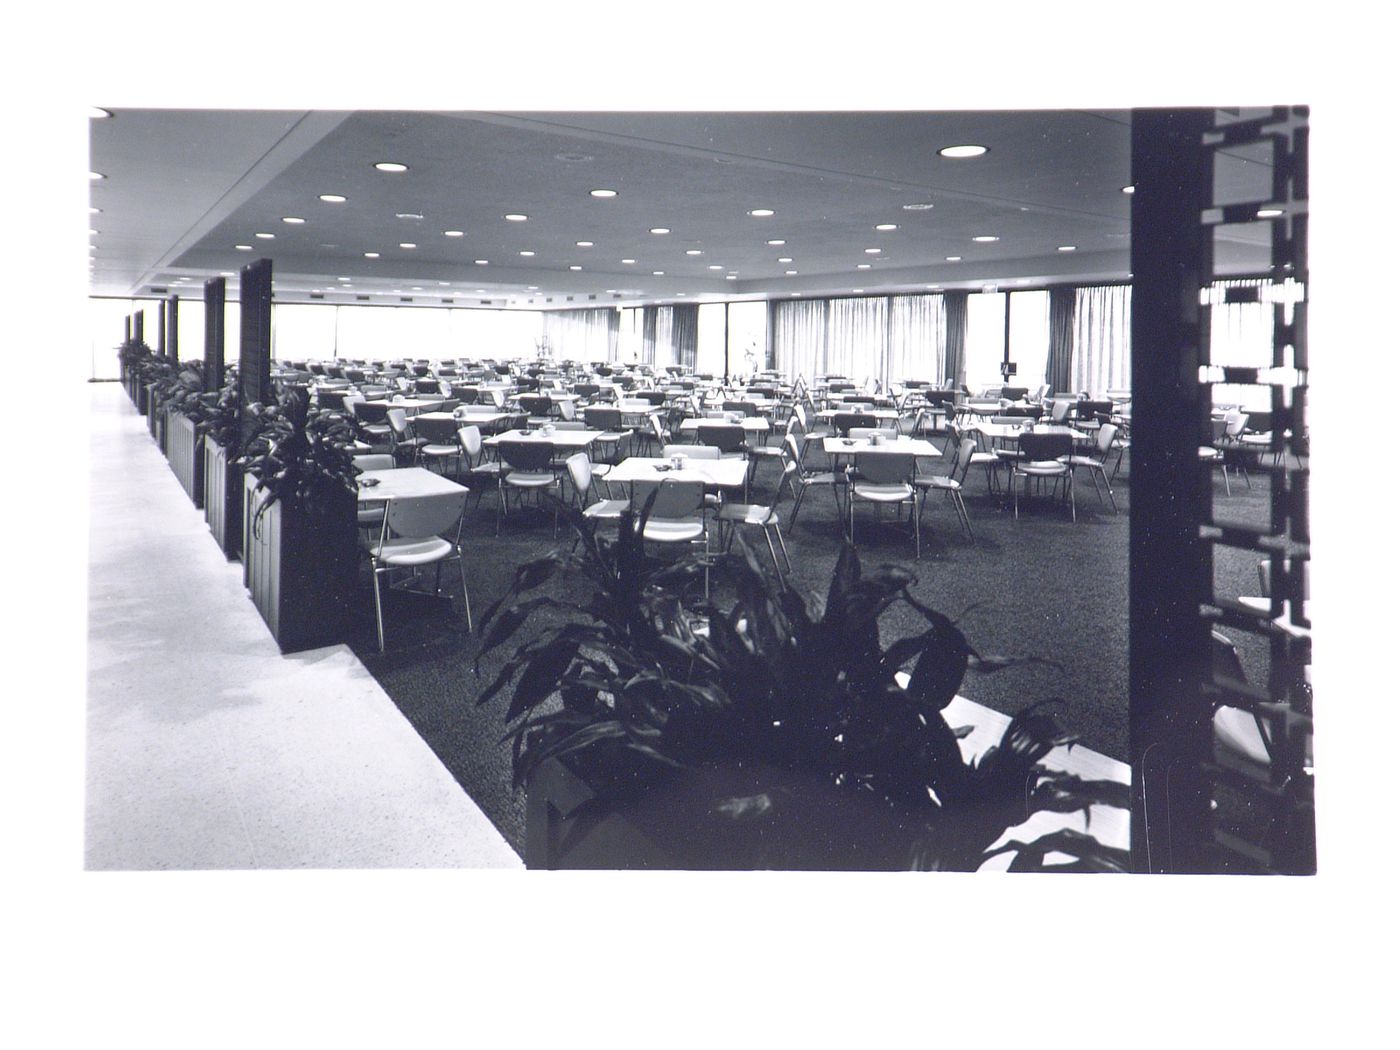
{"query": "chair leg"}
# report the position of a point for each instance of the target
(466, 598)
(783, 545)
(378, 610)
(1111, 501)
(772, 552)
(1069, 483)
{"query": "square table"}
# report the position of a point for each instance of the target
(413, 405)
(719, 473)
(572, 440)
(403, 481)
(751, 424)
(906, 446)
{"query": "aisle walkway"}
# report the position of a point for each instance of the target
(208, 749)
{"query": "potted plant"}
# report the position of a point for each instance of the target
(187, 407)
(130, 354)
(223, 477)
(299, 557)
(780, 733)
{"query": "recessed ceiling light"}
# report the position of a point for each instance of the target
(389, 165)
(481, 291)
(716, 266)
(407, 244)
(94, 211)
(858, 291)
(481, 262)
(790, 273)
(532, 288)
(417, 288)
(777, 243)
(452, 233)
(95, 175)
(658, 273)
(862, 266)
(266, 236)
(602, 193)
(225, 273)
(730, 277)
(916, 207)
(794, 294)
(332, 198)
(92, 231)
(784, 258)
(872, 251)
(628, 262)
(954, 258)
(292, 220)
(407, 215)
(760, 213)
(515, 216)
(527, 254)
(97, 113)
(576, 267)
(244, 247)
(342, 278)
(371, 255)
(1128, 189)
(583, 244)
(1269, 213)
(884, 226)
(959, 152)
(660, 229)
(693, 251)
(930, 286)
(986, 238)
(1066, 248)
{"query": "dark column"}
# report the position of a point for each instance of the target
(172, 309)
(213, 333)
(255, 333)
(160, 317)
(1169, 565)
(139, 323)
(126, 329)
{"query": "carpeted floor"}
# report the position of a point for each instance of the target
(1038, 586)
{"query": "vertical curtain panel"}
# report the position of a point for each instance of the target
(1102, 340)
(1057, 362)
(955, 348)
(649, 321)
(685, 333)
(582, 335)
(797, 334)
(857, 338)
(918, 335)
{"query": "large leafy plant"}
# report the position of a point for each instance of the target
(800, 738)
(299, 455)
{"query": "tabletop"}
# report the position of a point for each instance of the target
(575, 439)
(722, 473)
(403, 481)
(908, 446)
(882, 414)
(751, 424)
(1010, 432)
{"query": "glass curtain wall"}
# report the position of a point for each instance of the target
(986, 341)
(710, 340)
(748, 337)
(1030, 338)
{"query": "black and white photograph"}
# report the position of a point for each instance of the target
(544, 549)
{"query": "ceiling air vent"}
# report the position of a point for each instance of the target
(550, 299)
(449, 301)
(485, 302)
(361, 298)
(318, 295)
(591, 298)
(568, 298)
(405, 298)
(158, 291)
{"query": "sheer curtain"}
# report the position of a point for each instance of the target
(685, 332)
(918, 339)
(650, 318)
(1102, 359)
(797, 334)
(1057, 363)
(857, 337)
(1242, 334)
(582, 335)
(955, 349)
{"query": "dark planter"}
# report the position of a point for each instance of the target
(185, 452)
(668, 823)
(300, 568)
(143, 396)
(223, 499)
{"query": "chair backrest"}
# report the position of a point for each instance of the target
(885, 468)
(603, 418)
(692, 451)
(418, 517)
(567, 410)
(1039, 448)
(586, 389)
(580, 473)
(374, 461)
(862, 433)
(436, 431)
(427, 386)
(371, 411)
(1217, 429)
(1235, 423)
(536, 405)
(966, 447)
(655, 397)
(1059, 410)
(1014, 393)
(526, 455)
(843, 421)
(470, 439)
(726, 437)
(398, 420)
(674, 498)
(1104, 441)
(465, 394)
(571, 424)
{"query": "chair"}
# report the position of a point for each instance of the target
(368, 516)
(609, 421)
(539, 407)
(883, 477)
(802, 479)
(374, 423)
(440, 442)
(402, 434)
(478, 468)
(727, 437)
(762, 517)
(950, 484)
(526, 467)
(1096, 464)
(1043, 456)
(842, 422)
(1213, 453)
(990, 462)
(677, 514)
(411, 536)
(692, 451)
(427, 386)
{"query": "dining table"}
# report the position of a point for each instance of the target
(715, 473)
(566, 440)
(375, 486)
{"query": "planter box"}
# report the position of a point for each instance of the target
(184, 449)
(143, 396)
(300, 569)
(223, 499)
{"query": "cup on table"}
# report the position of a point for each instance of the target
(678, 461)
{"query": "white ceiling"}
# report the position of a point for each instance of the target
(183, 187)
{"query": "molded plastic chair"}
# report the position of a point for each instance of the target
(1043, 456)
(440, 443)
(581, 476)
(411, 536)
(762, 517)
(526, 467)
(1096, 464)
(884, 477)
(951, 484)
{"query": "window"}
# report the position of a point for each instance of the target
(748, 337)
(299, 333)
(1030, 338)
(986, 340)
(709, 354)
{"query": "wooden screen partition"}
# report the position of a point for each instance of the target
(139, 325)
(184, 448)
(213, 333)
